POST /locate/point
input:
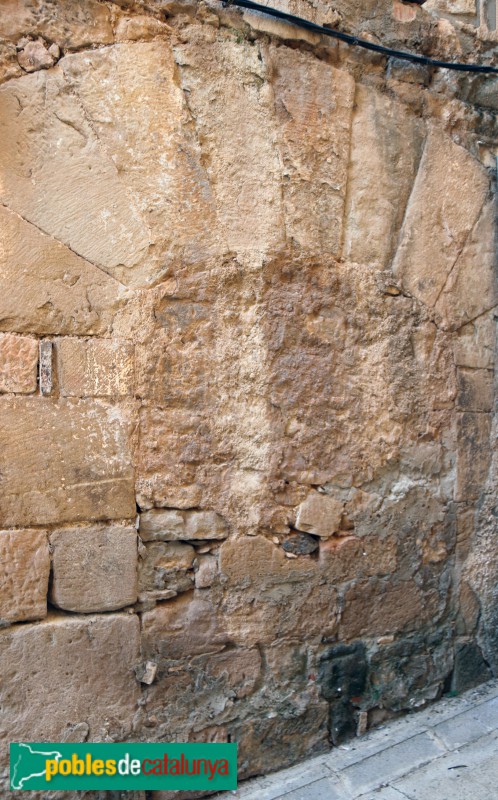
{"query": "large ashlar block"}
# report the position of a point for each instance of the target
(94, 569)
(131, 95)
(473, 454)
(172, 525)
(18, 364)
(56, 175)
(75, 465)
(46, 289)
(448, 195)
(233, 110)
(24, 573)
(68, 671)
(314, 104)
(95, 367)
(472, 285)
(386, 146)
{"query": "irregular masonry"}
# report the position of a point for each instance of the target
(247, 287)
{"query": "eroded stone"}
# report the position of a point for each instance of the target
(18, 364)
(94, 569)
(24, 570)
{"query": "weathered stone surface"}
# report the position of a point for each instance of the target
(94, 569)
(308, 424)
(18, 364)
(35, 55)
(95, 368)
(70, 25)
(386, 145)
(378, 607)
(82, 669)
(206, 572)
(474, 344)
(172, 525)
(183, 627)
(473, 454)
(76, 461)
(475, 390)
(49, 149)
(319, 514)
(155, 150)
(472, 286)
(166, 567)
(446, 200)
(24, 573)
(349, 557)
(233, 111)
(313, 105)
(47, 289)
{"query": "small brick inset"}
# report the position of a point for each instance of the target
(24, 573)
(95, 367)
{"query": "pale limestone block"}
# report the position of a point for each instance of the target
(386, 145)
(447, 198)
(24, 573)
(472, 287)
(171, 525)
(76, 461)
(69, 670)
(18, 364)
(95, 367)
(319, 514)
(56, 175)
(314, 104)
(94, 569)
(47, 289)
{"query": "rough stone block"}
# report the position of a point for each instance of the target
(95, 368)
(185, 626)
(24, 573)
(207, 571)
(376, 607)
(45, 288)
(72, 670)
(314, 104)
(94, 569)
(88, 209)
(76, 461)
(18, 364)
(166, 567)
(389, 140)
(475, 389)
(447, 198)
(171, 525)
(474, 343)
(349, 557)
(319, 514)
(172, 189)
(473, 454)
(234, 118)
(471, 288)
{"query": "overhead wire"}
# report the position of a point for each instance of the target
(358, 42)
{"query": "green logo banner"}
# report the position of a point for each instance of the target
(59, 767)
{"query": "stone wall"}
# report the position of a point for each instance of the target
(247, 308)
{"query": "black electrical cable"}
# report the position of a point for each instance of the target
(355, 40)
